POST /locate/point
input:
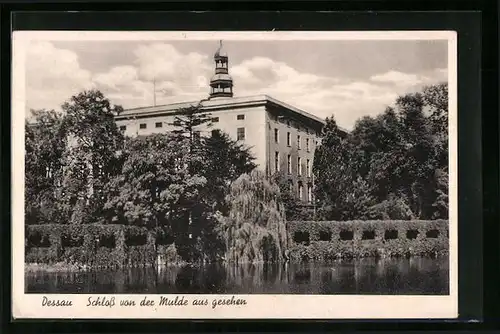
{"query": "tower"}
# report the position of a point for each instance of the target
(221, 84)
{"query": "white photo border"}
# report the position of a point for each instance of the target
(27, 306)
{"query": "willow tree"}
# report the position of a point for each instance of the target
(255, 230)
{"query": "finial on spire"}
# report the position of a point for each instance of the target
(218, 52)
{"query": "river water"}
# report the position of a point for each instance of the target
(417, 276)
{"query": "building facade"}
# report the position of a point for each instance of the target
(282, 138)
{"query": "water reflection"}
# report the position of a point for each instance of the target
(365, 276)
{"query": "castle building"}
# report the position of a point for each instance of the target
(282, 138)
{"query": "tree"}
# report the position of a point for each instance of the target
(441, 202)
(255, 229)
(419, 164)
(93, 143)
(436, 100)
(286, 195)
(436, 103)
(333, 172)
(357, 200)
(188, 122)
(156, 189)
(395, 207)
(224, 161)
(44, 147)
(398, 152)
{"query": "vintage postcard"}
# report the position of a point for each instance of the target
(231, 175)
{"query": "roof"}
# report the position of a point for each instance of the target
(216, 104)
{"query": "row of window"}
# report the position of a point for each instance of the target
(220, 89)
(289, 165)
(291, 123)
(143, 126)
(289, 140)
(240, 132)
(221, 64)
(238, 117)
(160, 124)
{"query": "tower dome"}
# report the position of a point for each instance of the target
(221, 84)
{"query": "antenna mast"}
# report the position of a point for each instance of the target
(154, 92)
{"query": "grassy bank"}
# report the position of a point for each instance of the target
(52, 268)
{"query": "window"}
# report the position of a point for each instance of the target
(309, 193)
(299, 165)
(276, 161)
(298, 142)
(240, 117)
(142, 126)
(215, 133)
(276, 135)
(290, 186)
(123, 127)
(289, 162)
(48, 172)
(215, 119)
(308, 167)
(301, 191)
(288, 139)
(158, 124)
(307, 144)
(240, 134)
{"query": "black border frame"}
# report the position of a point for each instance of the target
(473, 175)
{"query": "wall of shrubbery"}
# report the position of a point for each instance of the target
(98, 245)
(329, 240)
(108, 245)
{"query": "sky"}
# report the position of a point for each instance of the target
(346, 79)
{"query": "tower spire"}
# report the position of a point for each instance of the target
(221, 84)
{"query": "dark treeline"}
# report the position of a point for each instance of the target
(202, 189)
(392, 166)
